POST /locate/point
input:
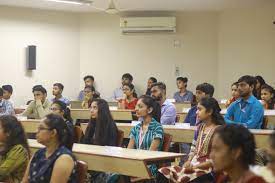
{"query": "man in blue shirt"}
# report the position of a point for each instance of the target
(247, 110)
(57, 93)
(168, 110)
(202, 90)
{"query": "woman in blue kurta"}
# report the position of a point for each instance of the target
(55, 162)
(148, 134)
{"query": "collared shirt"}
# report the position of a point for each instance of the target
(187, 97)
(62, 99)
(81, 95)
(6, 108)
(155, 131)
(117, 94)
(250, 113)
(37, 110)
(168, 113)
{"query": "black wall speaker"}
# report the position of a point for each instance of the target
(31, 57)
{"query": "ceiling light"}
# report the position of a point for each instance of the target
(76, 2)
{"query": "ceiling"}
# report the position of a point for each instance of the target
(143, 5)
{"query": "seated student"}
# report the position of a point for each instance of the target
(198, 158)
(40, 107)
(89, 95)
(150, 81)
(148, 134)
(101, 130)
(118, 93)
(233, 151)
(202, 90)
(235, 94)
(6, 107)
(267, 96)
(129, 99)
(14, 153)
(57, 92)
(8, 93)
(55, 162)
(259, 82)
(247, 110)
(183, 95)
(168, 110)
(89, 81)
(61, 109)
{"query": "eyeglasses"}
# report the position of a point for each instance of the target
(43, 128)
(54, 109)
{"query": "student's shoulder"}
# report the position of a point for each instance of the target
(18, 149)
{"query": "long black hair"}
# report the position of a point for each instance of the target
(211, 104)
(16, 132)
(54, 121)
(63, 107)
(237, 136)
(101, 127)
(152, 103)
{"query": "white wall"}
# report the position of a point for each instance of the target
(56, 36)
(215, 47)
(107, 54)
(246, 45)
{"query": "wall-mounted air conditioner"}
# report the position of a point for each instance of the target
(148, 24)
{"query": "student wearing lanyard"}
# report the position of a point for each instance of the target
(247, 110)
(198, 159)
(148, 134)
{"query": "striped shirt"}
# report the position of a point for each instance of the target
(155, 131)
(13, 164)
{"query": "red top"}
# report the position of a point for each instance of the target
(130, 105)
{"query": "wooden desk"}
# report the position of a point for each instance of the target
(30, 125)
(186, 134)
(76, 104)
(129, 162)
(125, 115)
(180, 134)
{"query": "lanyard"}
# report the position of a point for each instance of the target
(202, 142)
(141, 137)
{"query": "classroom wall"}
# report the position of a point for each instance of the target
(246, 45)
(107, 54)
(56, 35)
(214, 46)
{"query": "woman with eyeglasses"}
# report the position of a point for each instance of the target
(61, 109)
(14, 150)
(129, 100)
(55, 163)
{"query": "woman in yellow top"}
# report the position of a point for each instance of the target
(14, 152)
